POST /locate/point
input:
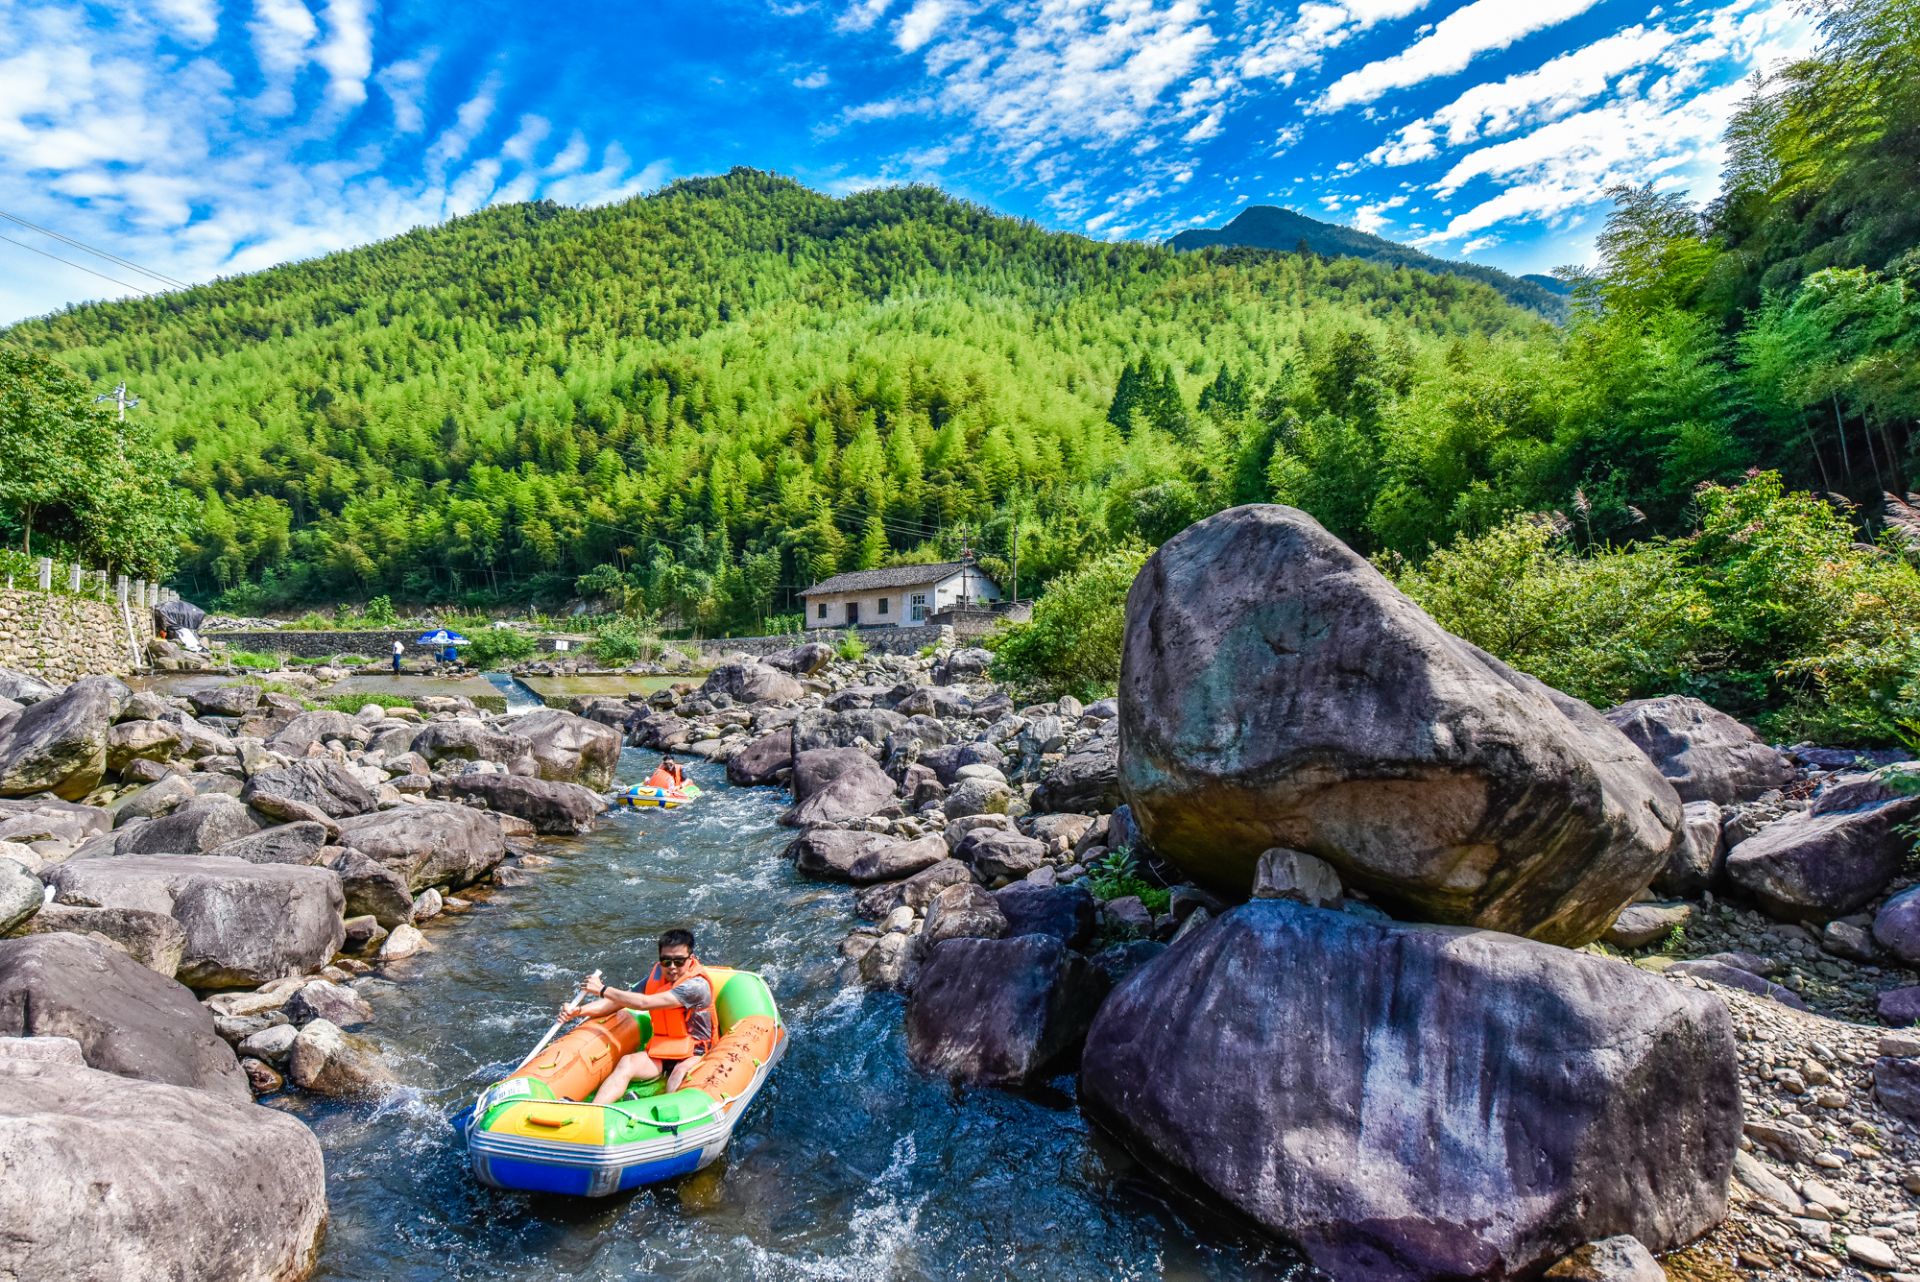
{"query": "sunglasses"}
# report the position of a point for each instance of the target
(675, 961)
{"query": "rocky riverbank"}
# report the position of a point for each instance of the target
(1407, 958)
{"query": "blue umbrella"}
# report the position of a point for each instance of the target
(440, 636)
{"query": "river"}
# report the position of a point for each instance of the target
(849, 1165)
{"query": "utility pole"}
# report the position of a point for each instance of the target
(966, 566)
(119, 397)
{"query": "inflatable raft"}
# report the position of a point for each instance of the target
(664, 798)
(532, 1131)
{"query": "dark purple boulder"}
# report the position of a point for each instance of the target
(833, 785)
(1064, 912)
(1896, 927)
(1816, 864)
(762, 759)
(1704, 753)
(1001, 1011)
(1416, 1102)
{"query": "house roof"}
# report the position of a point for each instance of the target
(892, 576)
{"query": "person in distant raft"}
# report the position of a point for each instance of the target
(678, 997)
(669, 776)
(398, 650)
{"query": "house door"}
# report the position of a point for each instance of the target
(853, 614)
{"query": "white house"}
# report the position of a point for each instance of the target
(901, 596)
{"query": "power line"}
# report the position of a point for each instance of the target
(69, 262)
(98, 253)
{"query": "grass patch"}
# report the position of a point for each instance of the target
(352, 703)
(254, 660)
(1117, 875)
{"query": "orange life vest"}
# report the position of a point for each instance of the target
(664, 779)
(672, 1038)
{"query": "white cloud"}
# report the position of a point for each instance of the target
(1477, 244)
(532, 132)
(920, 24)
(405, 84)
(347, 52)
(815, 79)
(194, 21)
(862, 15)
(1455, 41)
(1207, 128)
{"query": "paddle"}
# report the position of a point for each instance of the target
(567, 1012)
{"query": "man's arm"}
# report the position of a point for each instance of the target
(610, 999)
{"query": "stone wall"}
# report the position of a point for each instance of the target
(60, 638)
(878, 641)
(377, 646)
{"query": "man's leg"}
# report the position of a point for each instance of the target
(680, 1072)
(638, 1065)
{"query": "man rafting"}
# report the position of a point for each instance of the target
(678, 997)
(668, 776)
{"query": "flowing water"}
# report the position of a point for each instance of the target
(848, 1165)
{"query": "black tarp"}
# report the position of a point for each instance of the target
(171, 616)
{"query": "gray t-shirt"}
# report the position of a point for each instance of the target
(696, 994)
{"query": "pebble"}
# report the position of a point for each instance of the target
(1871, 1252)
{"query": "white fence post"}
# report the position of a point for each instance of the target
(73, 577)
(121, 591)
(46, 574)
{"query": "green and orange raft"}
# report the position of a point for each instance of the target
(534, 1130)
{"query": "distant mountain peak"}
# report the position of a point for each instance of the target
(1289, 230)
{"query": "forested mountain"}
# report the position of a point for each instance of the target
(737, 386)
(708, 397)
(1270, 227)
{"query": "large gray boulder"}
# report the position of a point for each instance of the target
(1276, 690)
(916, 892)
(862, 858)
(752, 682)
(1698, 859)
(1001, 1011)
(309, 728)
(1704, 753)
(323, 783)
(294, 843)
(246, 924)
(1064, 912)
(225, 701)
(155, 940)
(556, 809)
(128, 1019)
(21, 894)
(801, 660)
(833, 785)
(22, 689)
(570, 749)
(816, 730)
(109, 1179)
(1827, 861)
(1087, 779)
(1416, 1102)
(59, 744)
(762, 759)
(193, 828)
(372, 889)
(130, 741)
(464, 740)
(434, 844)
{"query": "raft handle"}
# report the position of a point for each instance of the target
(547, 1119)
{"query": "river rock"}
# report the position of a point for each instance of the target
(245, 924)
(892, 962)
(1498, 1103)
(862, 858)
(193, 828)
(402, 942)
(1641, 924)
(996, 854)
(225, 701)
(325, 785)
(833, 785)
(916, 892)
(1704, 753)
(961, 666)
(59, 744)
(801, 660)
(1276, 690)
(1814, 866)
(1001, 1011)
(127, 1019)
(562, 809)
(22, 689)
(324, 999)
(752, 682)
(146, 1180)
(813, 731)
(329, 1061)
(153, 939)
(1088, 778)
(1720, 972)
(295, 843)
(1697, 860)
(162, 797)
(130, 741)
(1064, 912)
(371, 888)
(978, 796)
(272, 1044)
(1295, 875)
(1896, 1084)
(432, 844)
(1896, 927)
(762, 759)
(963, 910)
(464, 740)
(1617, 1259)
(310, 728)
(21, 895)
(570, 749)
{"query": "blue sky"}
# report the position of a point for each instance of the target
(206, 137)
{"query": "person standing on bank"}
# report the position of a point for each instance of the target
(398, 650)
(678, 997)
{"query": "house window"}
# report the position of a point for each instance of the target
(917, 607)
(822, 608)
(883, 606)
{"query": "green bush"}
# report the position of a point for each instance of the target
(352, 703)
(1116, 875)
(254, 660)
(851, 647)
(379, 614)
(312, 621)
(489, 647)
(1072, 643)
(243, 599)
(621, 642)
